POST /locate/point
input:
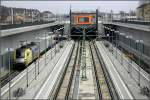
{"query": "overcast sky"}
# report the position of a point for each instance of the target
(63, 6)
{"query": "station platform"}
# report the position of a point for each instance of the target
(133, 26)
(126, 84)
(35, 79)
(13, 31)
(47, 88)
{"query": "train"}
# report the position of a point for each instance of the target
(27, 53)
(84, 23)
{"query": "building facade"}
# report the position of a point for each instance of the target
(143, 10)
(47, 16)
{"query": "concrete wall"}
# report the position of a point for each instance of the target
(9, 39)
(13, 41)
(136, 34)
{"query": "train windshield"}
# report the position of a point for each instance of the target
(20, 54)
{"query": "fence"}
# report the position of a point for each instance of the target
(136, 73)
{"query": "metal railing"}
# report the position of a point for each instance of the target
(9, 26)
(32, 75)
(135, 71)
(133, 22)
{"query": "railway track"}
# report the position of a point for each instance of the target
(63, 88)
(18, 77)
(5, 79)
(69, 84)
(104, 83)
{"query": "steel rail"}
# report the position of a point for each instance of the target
(107, 80)
(62, 88)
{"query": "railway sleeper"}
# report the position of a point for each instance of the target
(111, 86)
(67, 79)
(103, 88)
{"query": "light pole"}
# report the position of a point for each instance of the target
(117, 33)
(55, 40)
(21, 42)
(112, 33)
(35, 69)
(32, 16)
(12, 16)
(24, 16)
(139, 42)
(130, 53)
(121, 34)
(9, 74)
(59, 35)
(83, 60)
(58, 40)
(108, 36)
(39, 57)
(61, 41)
(51, 44)
(45, 47)
(105, 28)
(26, 65)
(38, 41)
(109, 33)
(149, 68)
(0, 65)
(127, 37)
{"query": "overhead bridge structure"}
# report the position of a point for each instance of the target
(83, 23)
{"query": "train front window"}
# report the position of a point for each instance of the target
(20, 54)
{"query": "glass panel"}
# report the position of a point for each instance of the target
(84, 19)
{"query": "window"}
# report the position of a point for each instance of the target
(19, 53)
(84, 19)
